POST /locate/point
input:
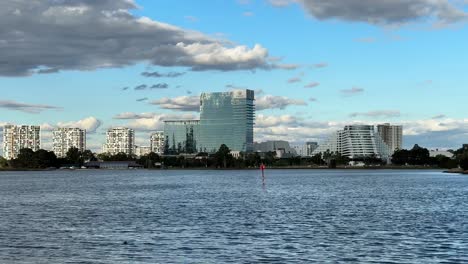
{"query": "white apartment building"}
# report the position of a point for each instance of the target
(392, 135)
(356, 142)
(142, 151)
(16, 138)
(66, 138)
(120, 140)
(157, 142)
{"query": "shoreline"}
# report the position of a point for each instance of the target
(268, 168)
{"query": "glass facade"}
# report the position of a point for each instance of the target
(227, 118)
(181, 136)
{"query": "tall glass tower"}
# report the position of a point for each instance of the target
(227, 118)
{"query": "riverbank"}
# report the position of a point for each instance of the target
(457, 171)
(267, 168)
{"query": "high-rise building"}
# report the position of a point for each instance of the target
(227, 118)
(274, 146)
(157, 142)
(311, 147)
(181, 136)
(356, 142)
(16, 138)
(66, 138)
(392, 136)
(120, 140)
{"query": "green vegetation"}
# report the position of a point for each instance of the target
(419, 156)
(415, 157)
(43, 159)
(3, 163)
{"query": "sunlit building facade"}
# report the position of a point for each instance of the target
(120, 140)
(66, 138)
(157, 142)
(227, 118)
(181, 136)
(16, 138)
(392, 135)
(356, 142)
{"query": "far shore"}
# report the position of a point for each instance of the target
(271, 168)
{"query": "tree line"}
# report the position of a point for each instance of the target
(417, 156)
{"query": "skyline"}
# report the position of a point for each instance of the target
(315, 67)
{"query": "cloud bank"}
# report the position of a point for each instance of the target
(51, 36)
(382, 12)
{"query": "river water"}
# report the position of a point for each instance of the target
(292, 216)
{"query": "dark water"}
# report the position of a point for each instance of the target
(298, 216)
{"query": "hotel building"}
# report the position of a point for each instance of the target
(356, 142)
(392, 136)
(227, 118)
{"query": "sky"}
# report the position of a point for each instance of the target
(315, 65)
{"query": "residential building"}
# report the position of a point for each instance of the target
(311, 147)
(280, 147)
(66, 138)
(181, 136)
(157, 142)
(16, 138)
(436, 152)
(392, 135)
(120, 140)
(142, 151)
(227, 118)
(356, 142)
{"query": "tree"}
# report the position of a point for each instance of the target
(88, 155)
(74, 156)
(3, 162)
(464, 161)
(317, 159)
(223, 155)
(400, 157)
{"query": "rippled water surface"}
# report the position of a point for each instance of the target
(295, 216)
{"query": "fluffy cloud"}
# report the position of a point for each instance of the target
(162, 75)
(91, 124)
(378, 114)
(181, 103)
(381, 12)
(27, 108)
(312, 85)
(320, 65)
(430, 133)
(352, 91)
(50, 36)
(150, 121)
(294, 80)
(143, 87)
(276, 102)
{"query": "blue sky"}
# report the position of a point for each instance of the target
(80, 63)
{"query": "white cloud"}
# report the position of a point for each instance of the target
(352, 91)
(382, 12)
(25, 107)
(181, 103)
(151, 121)
(90, 124)
(312, 85)
(378, 114)
(277, 102)
(52, 36)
